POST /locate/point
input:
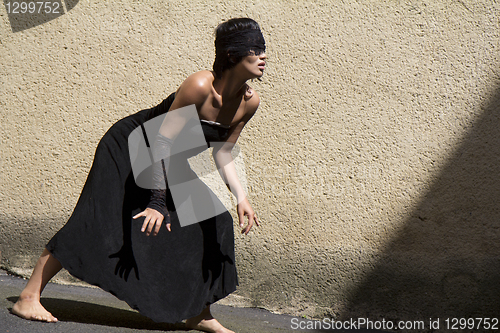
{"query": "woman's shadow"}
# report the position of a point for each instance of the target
(95, 314)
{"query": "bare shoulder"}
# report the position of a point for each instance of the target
(196, 88)
(252, 101)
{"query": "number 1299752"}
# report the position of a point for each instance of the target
(33, 7)
(471, 323)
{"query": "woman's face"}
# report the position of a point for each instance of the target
(253, 64)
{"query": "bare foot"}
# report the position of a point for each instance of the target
(29, 307)
(206, 323)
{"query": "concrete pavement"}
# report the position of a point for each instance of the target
(85, 309)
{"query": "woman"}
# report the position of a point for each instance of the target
(175, 275)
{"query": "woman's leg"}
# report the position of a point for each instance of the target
(28, 305)
(205, 322)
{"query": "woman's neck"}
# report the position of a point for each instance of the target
(229, 86)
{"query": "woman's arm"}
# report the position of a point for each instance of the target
(225, 165)
(193, 91)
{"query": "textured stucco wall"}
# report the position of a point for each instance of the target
(372, 162)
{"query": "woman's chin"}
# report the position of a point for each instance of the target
(260, 74)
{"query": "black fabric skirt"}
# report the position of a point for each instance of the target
(168, 277)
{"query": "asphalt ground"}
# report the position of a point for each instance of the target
(92, 310)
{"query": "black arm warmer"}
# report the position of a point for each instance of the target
(161, 154)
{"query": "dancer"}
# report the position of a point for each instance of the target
(179, 272)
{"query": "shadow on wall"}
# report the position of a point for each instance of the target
(445, 261)
(28, 14)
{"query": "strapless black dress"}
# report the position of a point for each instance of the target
(168, 277)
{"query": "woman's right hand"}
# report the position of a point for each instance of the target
(244, 209)
(152, 219)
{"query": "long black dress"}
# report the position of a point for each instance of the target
(168, 277)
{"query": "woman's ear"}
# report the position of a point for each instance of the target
(231, 58)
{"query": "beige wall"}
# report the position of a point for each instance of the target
(372, 162)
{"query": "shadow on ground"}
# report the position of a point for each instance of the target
(90, 313)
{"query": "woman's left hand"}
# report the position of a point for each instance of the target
(244, 209)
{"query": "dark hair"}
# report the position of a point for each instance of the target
(235, 39)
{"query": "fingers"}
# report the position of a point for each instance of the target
(167, 222)
(152, 222)
(241, 217)
(246, 230)
(145, 223)
(143, 213)
(157, 229)
(151, 225)
(251, 219)
(256, 221)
